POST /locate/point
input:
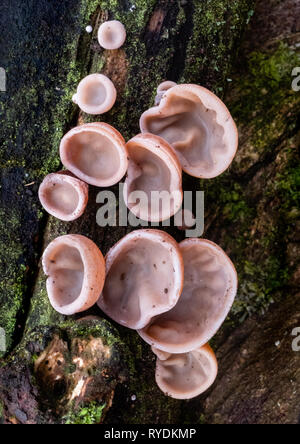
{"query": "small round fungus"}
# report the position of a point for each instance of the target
(186, 375)
(96, 153)
(210, 286)
(198, 126)
(139, 268)
(89, 29)
(112, 35)
(96, 94)
(153, 188)
(63, 195)
(76, 271)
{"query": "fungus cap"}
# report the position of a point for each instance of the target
(186, 375)
(144, 277)
(198, 126)
(96, 94)
(162, 89)
(76, 271)
(112, 34)
(63, 195)
(210, 285)
(96, 153)
(154, 171)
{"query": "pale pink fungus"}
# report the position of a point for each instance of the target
(162, 89)
(198, 126)
(96, 153)
(144, 278)
(96, 94)
(210, 286)
(76, 272)
(186, 375)
(155, 171)
(112, 34)
(63, 195)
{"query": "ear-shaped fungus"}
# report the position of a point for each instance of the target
(96, 153)
(186, 375)
(96, 94)
(198, 126)
(162, 89)
(155, 171)
(144, 277)
(63, 195)
(112, 34)
(76, 271)
(210, 285)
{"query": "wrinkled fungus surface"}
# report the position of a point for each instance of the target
(186, 375)
(96, 94)
(155, 172)
(144, 277)
(198, 126)
(95, 153)
(63, 195)
(76, 271)
(210, 285)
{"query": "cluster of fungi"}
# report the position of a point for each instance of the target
(176, 296)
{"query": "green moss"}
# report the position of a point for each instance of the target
(264, 92)
(150, 402)
(90, 414)
(255, 231)
(96, 328)
(41, 312)
(215, 48)
(13, 278)
(287, 185)
(36, 115)
(254, 214)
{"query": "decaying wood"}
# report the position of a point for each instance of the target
(186, 41)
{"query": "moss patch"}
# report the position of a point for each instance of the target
(42, 73)
(90, 414)
(215, 23)
(254, 206)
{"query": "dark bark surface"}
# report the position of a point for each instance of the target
(251, 211)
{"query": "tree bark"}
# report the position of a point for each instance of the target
(247, 209)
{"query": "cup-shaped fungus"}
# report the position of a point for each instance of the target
(96, 94)
(144, 277)
(76, 272)
(153, 187)
(112, 34)
(96, 153)
(162, 89)
(198, 126)
(186, 375)
(210, 285)
(63, 195)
